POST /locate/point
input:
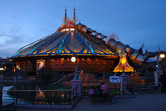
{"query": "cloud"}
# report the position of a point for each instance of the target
(10, 41)
(4, 39)
(15, 29)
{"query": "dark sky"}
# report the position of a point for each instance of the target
(136, 22)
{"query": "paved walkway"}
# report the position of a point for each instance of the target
(143, 102)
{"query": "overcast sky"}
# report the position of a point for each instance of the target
(136, 22)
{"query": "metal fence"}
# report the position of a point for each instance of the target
(42, 97)
(114, 88)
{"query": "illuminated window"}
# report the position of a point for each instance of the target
(67, 29)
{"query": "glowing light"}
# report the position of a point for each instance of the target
(73, 59)
(14, 70)
(10, 60)
(72, 34)
(67, 29)
(62, 96)
(119, 51)
(1, 69)
(71, 29)
(62, 59)
(162, 55)
(123, 65)
(40, 94)
(127, 49)
(41, 65)
(123, 60)
(18, 67)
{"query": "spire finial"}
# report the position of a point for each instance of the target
(74, 16)
(65, 20)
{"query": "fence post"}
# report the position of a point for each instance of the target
(115, 88)
(1, 89)
(77, 83)
(157, 75)
(84, 90)
(70, 101)
(124, 82)
(50, 101)
(132, 89)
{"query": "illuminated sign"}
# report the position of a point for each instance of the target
(123, 65)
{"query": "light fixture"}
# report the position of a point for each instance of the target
(1, 69)
(162, 56)
(73, 59)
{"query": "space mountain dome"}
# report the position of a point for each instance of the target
(67, 40)
(89, 46)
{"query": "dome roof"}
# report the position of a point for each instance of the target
(67, 40)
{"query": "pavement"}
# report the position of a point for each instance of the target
(141, 102)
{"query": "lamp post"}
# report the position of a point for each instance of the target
(76, 82)
(158, 71)
(158, 67)
(76, 76)
(158, 61)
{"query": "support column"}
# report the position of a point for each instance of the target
(1, 88)
(157, 75)
(77, 83)
(124, 82)
(33, 62)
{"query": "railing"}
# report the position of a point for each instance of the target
(13, 79)
(114, 89)
(9, 107)
(142, 81)
(43, 97)
(145, 84)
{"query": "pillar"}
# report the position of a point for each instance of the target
(124, 83)
(33, 62)
(77, 83)
(1, 88)
(157, 75)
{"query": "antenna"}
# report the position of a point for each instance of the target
(74, 19)
(65, 20)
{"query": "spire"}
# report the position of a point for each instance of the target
(159, 48)
(74, 16)
(65, 20)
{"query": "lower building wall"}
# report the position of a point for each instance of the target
(65, 65)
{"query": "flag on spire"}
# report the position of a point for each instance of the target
(159, 50)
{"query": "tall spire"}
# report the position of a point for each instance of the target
(74, 16)
(65, 20)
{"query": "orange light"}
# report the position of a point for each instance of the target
(62, 96)
(123, 66)
(71, 34)
(18, 67)
(123, 60)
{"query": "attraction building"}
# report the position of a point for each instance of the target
(88, 47)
